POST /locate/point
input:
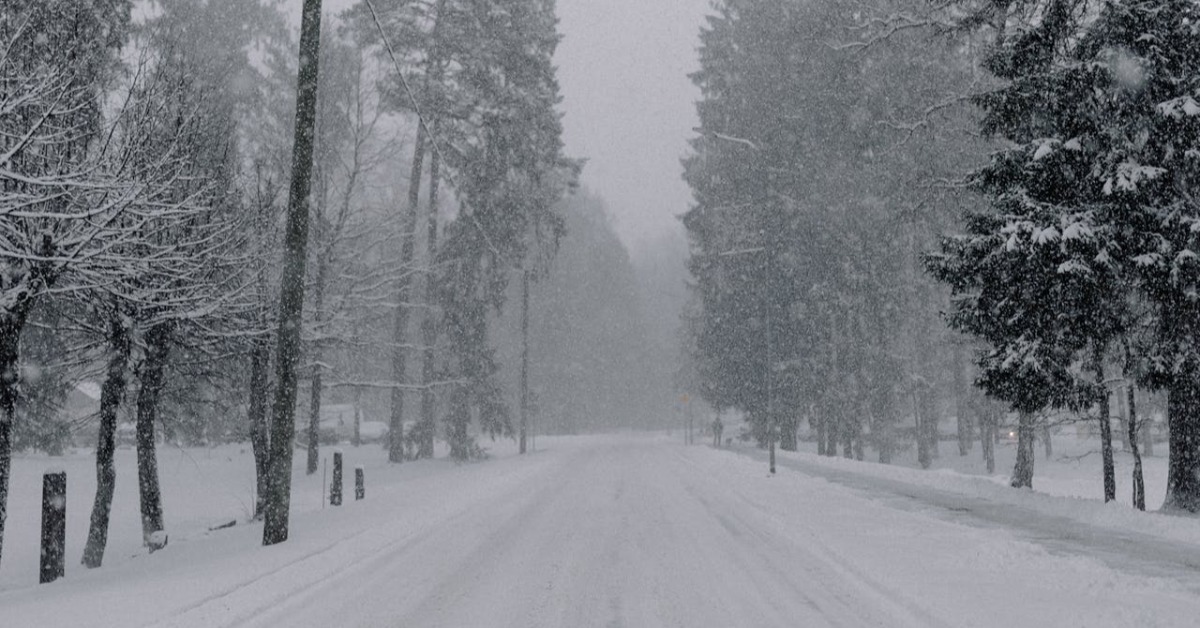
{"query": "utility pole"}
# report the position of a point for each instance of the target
(291, 301)
(771, 427)
(524, 359)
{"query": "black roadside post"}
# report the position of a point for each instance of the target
(335, 487)
(54, 525)
(360, 485)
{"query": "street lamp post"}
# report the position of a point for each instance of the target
(771, 427)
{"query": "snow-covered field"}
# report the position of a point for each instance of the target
(630, 530)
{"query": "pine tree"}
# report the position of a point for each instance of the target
(807, 153)
(1030, 277)
(1089, 214)
(1141, 60)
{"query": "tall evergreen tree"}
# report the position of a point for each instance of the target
(806, 154)
(1088, 203)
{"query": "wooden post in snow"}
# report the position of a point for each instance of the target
(335, 487)
(360, 485)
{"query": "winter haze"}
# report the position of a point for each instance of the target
(512, 313)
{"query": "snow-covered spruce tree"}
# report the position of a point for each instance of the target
(1038, 274)
(56, 197)
(1106, 118)
(1140, 64)
(511, 180)
(743, 171)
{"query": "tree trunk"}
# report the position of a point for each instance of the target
(10, 347)
(832, 426)
(885, 440)
(1183, 462)
(1146, 427)
(848, 427)
(456, 429)
(987, 428)
(1139, 485)
(1106, 448)
(314, 401)
(881, 424)
(962, 422)
(818, 423)
(314, 423)
(858, 439)
(119, 346)
(260, 358)
(357, 419)
(924, 456)
(1046, 440)
(403, 285)
(524, 359)
(929, 418)
(1022, 476)
(788, 433)
(291, 300)
(1123, 418)
(150, 389)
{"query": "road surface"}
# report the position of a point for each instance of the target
(625, 532)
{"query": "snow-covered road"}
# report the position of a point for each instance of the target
(631, 531)
(624, 533)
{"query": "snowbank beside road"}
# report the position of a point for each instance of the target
(939, 487)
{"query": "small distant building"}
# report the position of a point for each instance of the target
(80, 410)
(82, 402)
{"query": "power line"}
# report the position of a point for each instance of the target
(424, 125)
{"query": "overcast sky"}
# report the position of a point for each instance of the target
(629, 105)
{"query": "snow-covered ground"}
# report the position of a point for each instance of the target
(202, 488)
(1074, 469)
(618, 531)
